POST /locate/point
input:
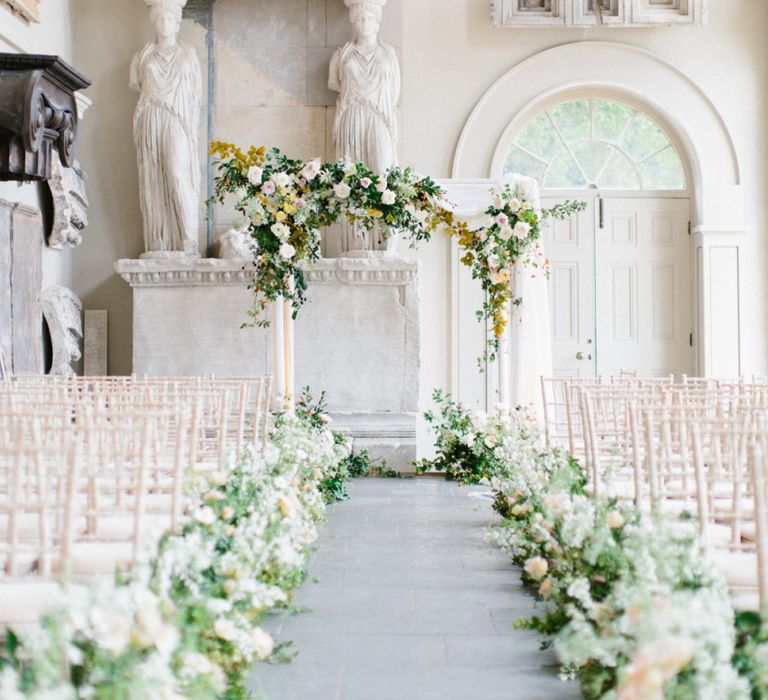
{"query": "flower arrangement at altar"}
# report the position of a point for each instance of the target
(186, 623)
(283, 204)
(631, 602)
(472, 445)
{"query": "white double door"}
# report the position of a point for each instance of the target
(621, 290)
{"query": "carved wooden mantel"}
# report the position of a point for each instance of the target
(38, 111)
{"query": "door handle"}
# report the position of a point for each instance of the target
(601, 205)
(582, 356)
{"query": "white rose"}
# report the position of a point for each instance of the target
(615, 520)
(505, 233)
(263, 644)
(112, 631)
(281, 231)
(490, 441)
(311, 170)
(536, 568)
(388, 197)
(522, 229)
(342, 190)
(255, 175)
(287, 251)
(514, 204)
(498, 203)
(225, 629)
(205, 515)
(282, 179)
(468, 440)
(381, 185)
(349, 167)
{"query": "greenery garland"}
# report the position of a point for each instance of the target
(284, 203)
(631, 602)
(186, 622)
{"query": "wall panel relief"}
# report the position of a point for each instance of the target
(579, 13)
(21, 320)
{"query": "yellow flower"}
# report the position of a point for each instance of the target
(281, 216)
(289, 208)
(375, 213)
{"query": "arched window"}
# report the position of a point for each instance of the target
(595, 142)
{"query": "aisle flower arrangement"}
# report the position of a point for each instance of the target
(283, 204)
(631, 602)
(186, 623)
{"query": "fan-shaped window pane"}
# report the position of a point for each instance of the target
(620, 174)
(663, 171)
(564, 173)
(610, 119)
(540, 138)
(518, 161)
(643, 138)
(596, 143)
(572, 118)
(592, 156)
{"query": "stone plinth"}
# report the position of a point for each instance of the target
(357, 337)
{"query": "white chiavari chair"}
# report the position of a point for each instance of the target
(35, 524)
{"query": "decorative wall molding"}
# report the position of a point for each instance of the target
(70, 204)
(38, 111)
(379, 271)
(28, 9)
(611, 13)
(63, 313)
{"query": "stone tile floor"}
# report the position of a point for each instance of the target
(410, 603)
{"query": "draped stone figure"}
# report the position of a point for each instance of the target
(366, 74)
(166, 73)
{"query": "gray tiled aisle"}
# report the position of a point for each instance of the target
(411, 603)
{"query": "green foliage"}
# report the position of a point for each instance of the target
(751, 655)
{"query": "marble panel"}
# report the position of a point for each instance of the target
(318, 65)
(95, 343)
(6, 306)
(299, 131)
(26, 286)
(260, 77)
(262, 23)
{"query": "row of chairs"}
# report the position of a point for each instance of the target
(93, 470)
(693, 448)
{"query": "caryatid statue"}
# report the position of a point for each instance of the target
(366, 74)
(166, 73)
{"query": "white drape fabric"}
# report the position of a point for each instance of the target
(528, 351)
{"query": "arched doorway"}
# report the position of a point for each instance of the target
(649, 86)
(621, 283)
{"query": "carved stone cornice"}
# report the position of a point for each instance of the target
(38, 111)
(193, 272)
(200, 272)
(610, 13)
(379, 271)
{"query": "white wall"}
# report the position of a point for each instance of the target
(450, 56)
(53, 35)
